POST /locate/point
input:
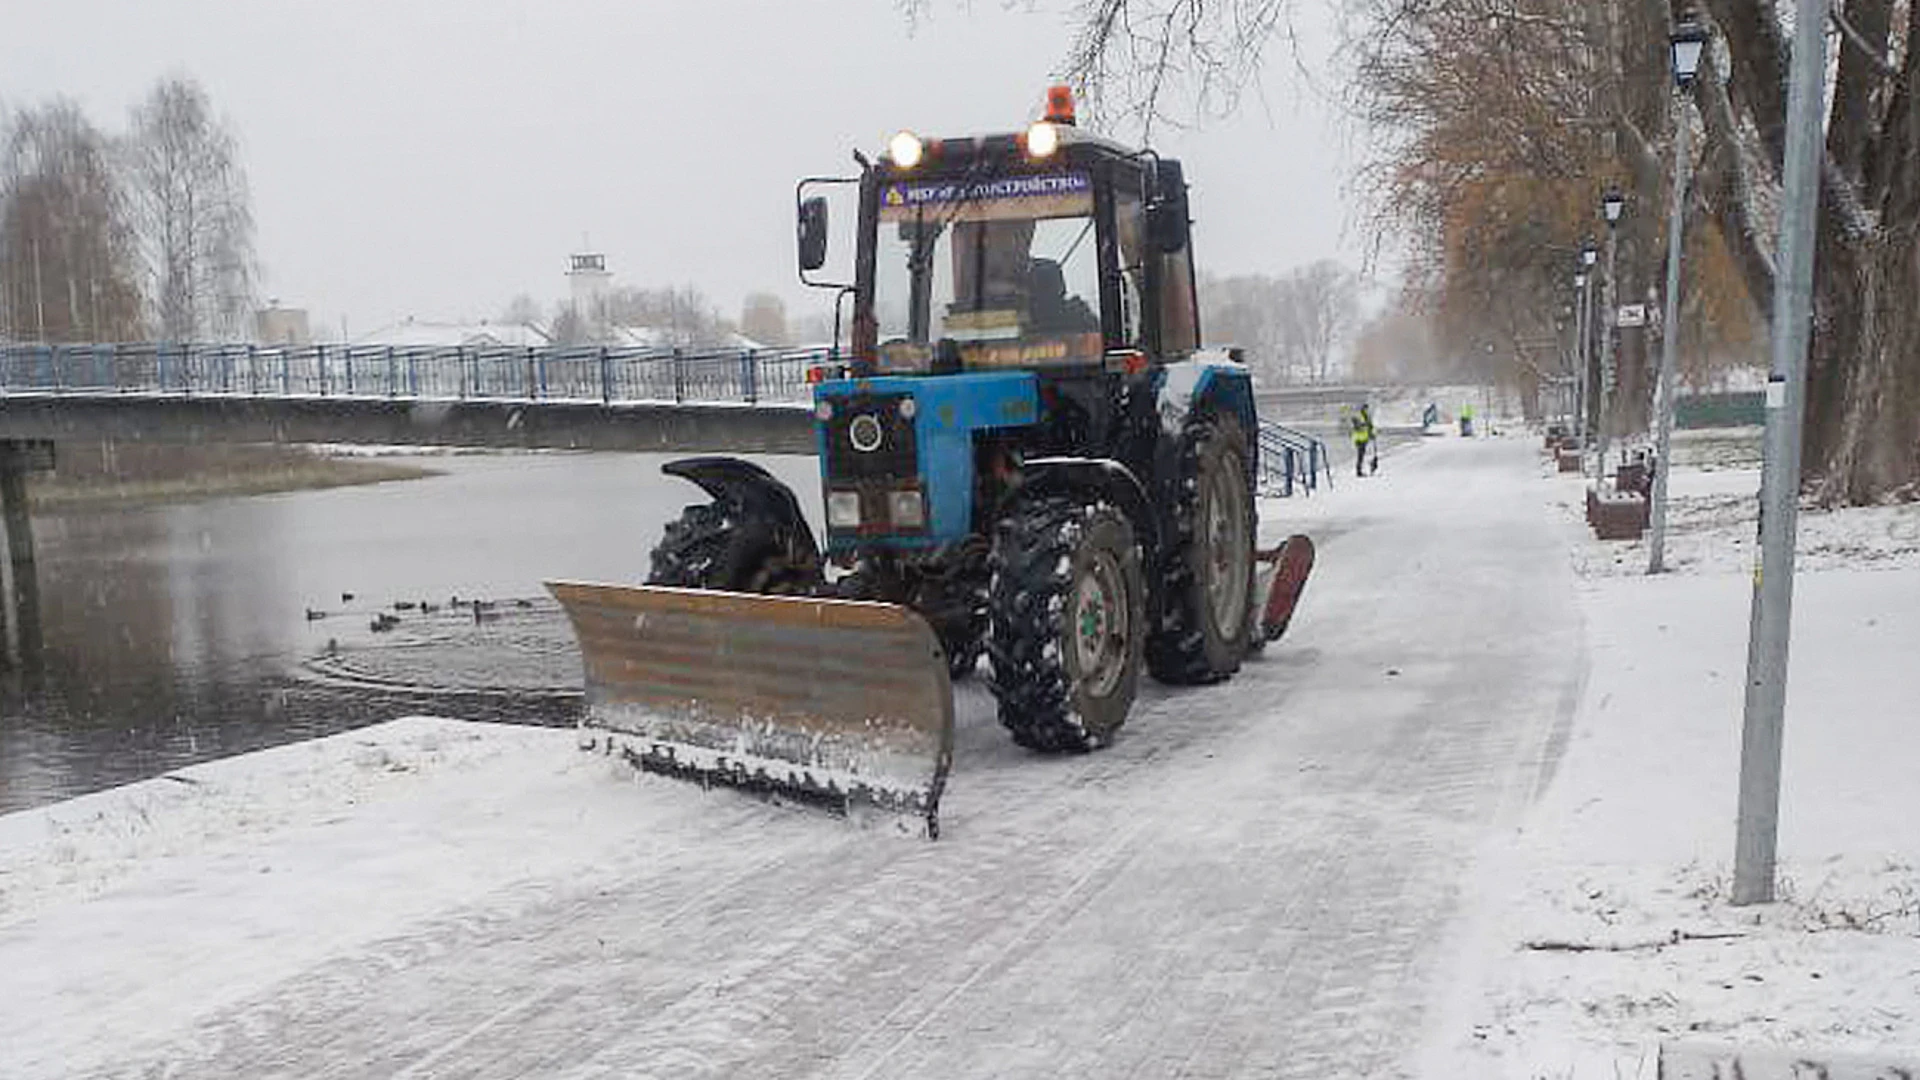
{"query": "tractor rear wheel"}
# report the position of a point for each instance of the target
(1067, 623)
(1206, 568)
(720, 545)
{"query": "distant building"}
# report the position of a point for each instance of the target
(422, 334)
(275, 325)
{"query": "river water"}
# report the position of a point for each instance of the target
(176, 634)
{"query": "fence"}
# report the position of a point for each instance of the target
(468, 372)
(1288, 457)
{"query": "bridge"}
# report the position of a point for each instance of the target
(585, 398)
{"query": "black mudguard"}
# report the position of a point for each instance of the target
(1104, 476)
(758, 494)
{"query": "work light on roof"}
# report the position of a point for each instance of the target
(905, 149)
(1043, 139)
(1059, 105)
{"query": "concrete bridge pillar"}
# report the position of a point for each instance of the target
(21, 634)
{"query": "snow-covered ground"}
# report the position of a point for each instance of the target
(1331, 866)
(1601, 927)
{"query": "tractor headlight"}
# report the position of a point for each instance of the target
(843, 510)
(905, 149)
(1042, 139)
(908, 409)
(907, 509)
(823, 410)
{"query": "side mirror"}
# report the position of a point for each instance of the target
(1167, 221)
(813, 233)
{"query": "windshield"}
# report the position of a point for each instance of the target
(1006, 269)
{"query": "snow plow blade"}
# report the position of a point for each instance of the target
(839, 701)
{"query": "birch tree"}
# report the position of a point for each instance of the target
(193, 214)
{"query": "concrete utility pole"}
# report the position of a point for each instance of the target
(1755, 846)
(1688, 41)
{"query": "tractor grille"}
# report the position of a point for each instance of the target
(868, 439)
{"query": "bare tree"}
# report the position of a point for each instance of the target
(1319, 307)
(682, 314)
(1246, 310)
(1863, 393)
(1397, 347)
(193, 214)
(67, 261)
(570, 327)
(522, 310)
(1147, 63)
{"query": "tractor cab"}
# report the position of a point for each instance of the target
(1047, 250)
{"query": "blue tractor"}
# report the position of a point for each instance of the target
(1026, 448)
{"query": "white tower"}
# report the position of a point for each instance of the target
(588, 280)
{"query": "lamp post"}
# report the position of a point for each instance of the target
(1612, 205)
(1580, 354)
(1589, 255)
(1689, 41)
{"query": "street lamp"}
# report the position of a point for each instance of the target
(1612, 205)
(1589, 255)
(1580, 331)
(1689, 41)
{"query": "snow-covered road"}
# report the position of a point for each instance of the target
(1258, 879)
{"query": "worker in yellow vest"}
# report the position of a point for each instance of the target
(1364, 436)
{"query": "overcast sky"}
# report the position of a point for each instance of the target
(434, 158)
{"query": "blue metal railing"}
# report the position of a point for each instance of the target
(594, 373)
(1289, 457)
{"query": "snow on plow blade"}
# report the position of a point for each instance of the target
(838, 700)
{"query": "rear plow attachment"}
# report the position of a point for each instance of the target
(836, 701)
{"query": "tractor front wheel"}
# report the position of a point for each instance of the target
(721, 545)
(1067, 623)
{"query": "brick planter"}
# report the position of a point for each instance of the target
(1617, 515)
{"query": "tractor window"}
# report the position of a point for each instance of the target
(1130, 224)
(1010, 278)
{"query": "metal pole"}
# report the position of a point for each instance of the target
(1669, 345)
(1606, 351)
(1580, 320)
(1754, 848)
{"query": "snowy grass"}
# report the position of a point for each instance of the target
(1713, 526)
(1602, 926)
